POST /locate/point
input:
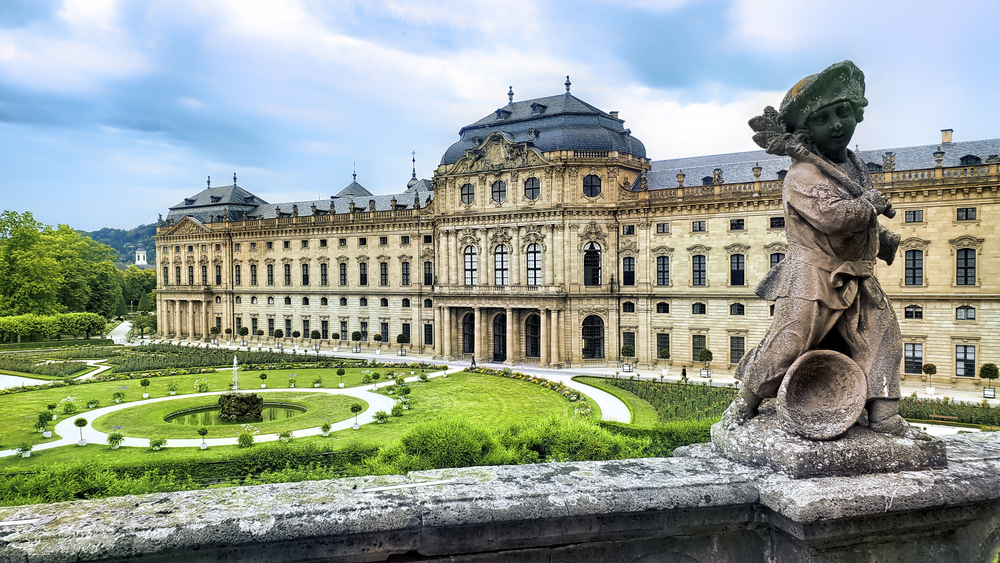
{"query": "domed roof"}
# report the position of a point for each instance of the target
(561, 122)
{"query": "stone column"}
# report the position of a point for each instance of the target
(438, 339)
(515, 258)
(447, 331)
(477, 348)
(444, 266)
(556, 337)
(544, 344)
(190, 319)
(550, 256)
(510, 335)
(207, 316)
(453, 257)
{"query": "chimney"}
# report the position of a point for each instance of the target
(614, 114)
(946, 135)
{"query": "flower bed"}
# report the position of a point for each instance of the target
(572, 395)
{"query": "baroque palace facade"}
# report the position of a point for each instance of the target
(548, 237)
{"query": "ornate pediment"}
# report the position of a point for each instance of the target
(736, 248)
(914, 243)
(776, 247)
(663, 251)
(203, 259)
(342, 259)
(588, 311)
(698, 249)
(628, 247)
(427, 254)
(187, 226)
(965, 242)
(500, 236)
(269, 261)
(286, 260)
(405, 258)
(382, 258)
(323, 260)
(363, 259)
(497, 152)
(593, 233)
(253, 261)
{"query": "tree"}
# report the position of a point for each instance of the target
(989, 372)
(705, 355)
(378, 339)
(144, 303)
(80, 423)
(929, 370)
(315, 335)
(143, 323)
(245, 331)
(30, 278)
(628, 351)
(121, 309)
(260, 332)
(356, 408)
(402, 338)
(278, 333)
(356, 336)
(105, 291)
(296, 334)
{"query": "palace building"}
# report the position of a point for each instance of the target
(548, 237)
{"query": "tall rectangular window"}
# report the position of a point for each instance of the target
(364, 331)
(737, 269)
(218, 275)
(471, 266)
(305, 326)
(166, 275)
(405, 273)
(324, 278)
(383, 273)
(204, 275)
(628, 270)
(500, 266)
(533, 254)
(737, 347)
(239, 324)
(965, 360)
(324, 326)
(697, 344)
(428, 273)
(965, 266)
(384, 331)
(270, 327)
(177, 274)
(405, 330)
(913, 268)
(288, 328)
(288, 274)
(913, 358)
(270, 274)
(253, 325)
(363, 273)
(343, 330)
(698, 269)
(237, 275)
(190, 275)
(662, 344)
(253, 273)
(343, 273)
(428, 335)
(305, 274)
(662, 270)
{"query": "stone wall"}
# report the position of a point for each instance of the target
(698, 507)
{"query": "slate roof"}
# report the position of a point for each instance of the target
(342, 205)
(354, 189)
(224, 201)
(562, 122)
(738, 167)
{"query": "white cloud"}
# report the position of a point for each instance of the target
(100, 14)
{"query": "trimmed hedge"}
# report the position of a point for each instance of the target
(666, 437)
(680, 401)
(56, 344)
(968, 413)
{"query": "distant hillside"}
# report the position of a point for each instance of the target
(126, 241)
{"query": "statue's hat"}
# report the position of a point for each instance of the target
(838, 82)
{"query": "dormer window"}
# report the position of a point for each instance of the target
(781, 174)
(970, 159)
(874, 167)
(188, 201)
(502, 114)
(537, 108)
(250, 199)
(216, 198)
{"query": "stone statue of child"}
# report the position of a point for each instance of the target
(825, 292)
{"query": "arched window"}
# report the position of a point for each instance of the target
(593, 337)
(324, 301)
(737, 309)
(305, 300)
(591, 187)
(218, 299)
(270, 300)
(471, 266)
(406, 302)
(364, 301)
(253, 300)
(500, 274)
(913, 312)
(428, 303)
(468, 194)
(592, 264)
(343, 302)
(288, 301)
(238, 300)
(698, 309)
(499, 191)
(628, 307)
(468, 334)
(532, 336)
(531, 188)
(662, 307)
(965, 313)
(533, 260)
(383, 302)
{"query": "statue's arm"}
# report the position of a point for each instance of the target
(888, 243)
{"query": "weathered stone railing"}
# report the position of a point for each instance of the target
(694, 508)
(498, 289)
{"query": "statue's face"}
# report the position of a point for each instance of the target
(832, 127)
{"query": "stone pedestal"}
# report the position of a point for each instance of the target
(764, 442)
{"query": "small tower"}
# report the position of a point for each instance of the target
(140, 255)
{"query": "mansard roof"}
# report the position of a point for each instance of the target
(738, 167)
(562, 122)
(362, 204)
(224, 201)
(354, 189)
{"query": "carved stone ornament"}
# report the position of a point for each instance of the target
(532, 238)
(736, 248)
(966, 242)
(363, 259)
(304, 259)
(203, 259)
(585, 312)
(468, 240)
(592, 233)
(663, 251)
(187, 226)
(498, 152)
(286, 260)
(888, 162)
(698, 249)
(628, 247)
(189, 259)
(500, 236)
(343, 259)
(776, 247)
(914, 243)
(253, 261)
(383, 258)
(427, 254)
(405, 258)
(323, 260)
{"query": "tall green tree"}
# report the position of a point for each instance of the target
(121, 309)
(77, 255)
(144, 303)
(29, 277)
(105, 290)
(137, 283)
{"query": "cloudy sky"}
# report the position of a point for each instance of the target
(112, 111)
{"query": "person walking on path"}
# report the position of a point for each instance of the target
(473, 361)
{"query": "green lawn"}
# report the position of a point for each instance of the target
(484, 399)
(144, 421)
(643, 414)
